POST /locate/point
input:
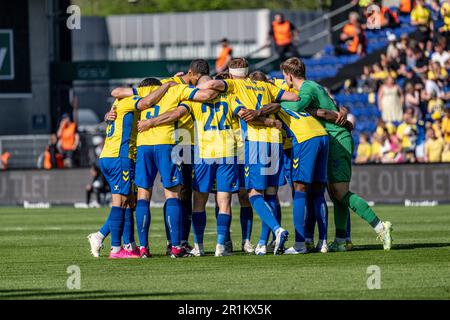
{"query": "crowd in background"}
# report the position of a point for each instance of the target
(411, 88)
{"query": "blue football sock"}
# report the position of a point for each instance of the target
(264, 211)
(116, 223)
(278, 216)
(128, 229)
(199, 225)
(223, 222)
(349, 227)
(246, 218)
(228, 235)
(321, 213)
(174, 220)
(187, 219)
(104, 230)
(166, 227)
(299, 215)
(143, 218)
(265, 230)
(310, 222)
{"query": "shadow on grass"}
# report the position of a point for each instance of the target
(81, 294)
(409, 246)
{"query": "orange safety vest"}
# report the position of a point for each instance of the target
(406, 6)
(354, 44)
(47, 160)
(4, 159)
(282, 33)
(222, 58)
(350, 30)
(68, 136)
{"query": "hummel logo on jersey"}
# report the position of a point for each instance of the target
(174, 178)
(116, 187)
(295, 164)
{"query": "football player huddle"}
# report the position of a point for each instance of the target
(237, 133)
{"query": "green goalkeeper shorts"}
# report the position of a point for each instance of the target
(340, 159)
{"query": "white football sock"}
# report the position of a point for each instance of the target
(379, 227)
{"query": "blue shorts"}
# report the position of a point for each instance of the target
(287, 165)
(153, 159)
(263, 165)
(309, 160)
(216, 177)
(119, 173)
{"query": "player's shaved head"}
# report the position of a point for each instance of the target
(294, 67)
(258, 76)
(199, 67)
(149, 82)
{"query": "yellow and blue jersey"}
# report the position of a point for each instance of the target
(281, 83)
(121, 133)
(178, 80)
(186, 124)
(254, 95)
(300, 125)
(165, 134)
(214, 127)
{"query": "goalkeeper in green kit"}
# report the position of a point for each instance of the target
(313, 97)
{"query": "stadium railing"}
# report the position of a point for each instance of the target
(25, 150)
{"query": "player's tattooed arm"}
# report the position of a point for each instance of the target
(289, 96)
(260, 120)
(153, 98)
(203, 95)
(163, 119)
(249, 115)
(331, 116)
(217, 85)
(121, 93)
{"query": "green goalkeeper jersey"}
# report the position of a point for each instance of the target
(313, 95)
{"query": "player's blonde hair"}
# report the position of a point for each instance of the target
(294, 67)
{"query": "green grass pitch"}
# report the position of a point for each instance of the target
(37, 246)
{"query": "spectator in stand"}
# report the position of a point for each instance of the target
(437, 21)
(52, 157)
(446, 124)
(445, 29)
(434, 147)
(364, 150)
(284, 34)
(446, 153)
(406, 7)
(407, 133)
(224, 57)
(413, 79)
(4, 159)
(440, 54)
(375, 151)
(412, 100)
(421, 18)
(390, 101)
(386, 17)
(68, 136)
(353, 37)
(420, 66)
(435, 104)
